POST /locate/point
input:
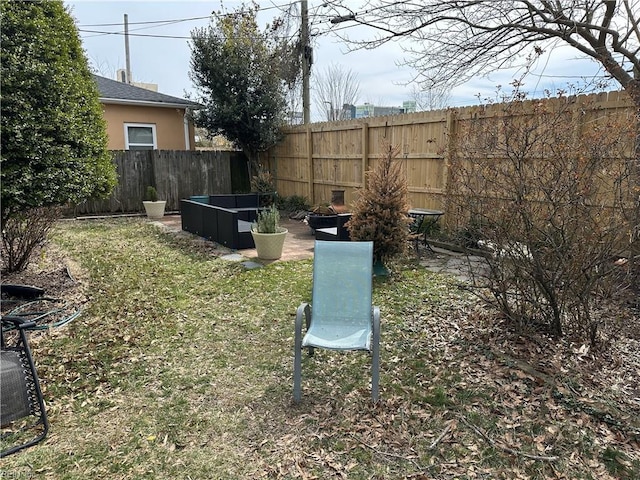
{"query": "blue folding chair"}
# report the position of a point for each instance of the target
(343, 316)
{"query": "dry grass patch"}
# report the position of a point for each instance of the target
(181, 368)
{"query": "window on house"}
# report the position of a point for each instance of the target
(140, 136)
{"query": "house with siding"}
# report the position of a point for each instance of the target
(141, 119)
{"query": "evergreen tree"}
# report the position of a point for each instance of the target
(380, 212)
(243, 75)
(54, 143)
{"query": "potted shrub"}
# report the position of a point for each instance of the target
(264, 185)
(268, 235)
(153, 206)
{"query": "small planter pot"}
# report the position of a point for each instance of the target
(380, 269)
(155, 210)
(269, 245)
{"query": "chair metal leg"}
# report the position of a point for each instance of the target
(297, 360)
(35, 385)
(375, 360)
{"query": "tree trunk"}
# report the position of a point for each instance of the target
(633, 88)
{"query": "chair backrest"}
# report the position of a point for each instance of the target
(342, 282)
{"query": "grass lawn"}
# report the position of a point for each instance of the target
(181, 367)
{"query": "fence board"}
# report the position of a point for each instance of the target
(314, 159)
(176, 174)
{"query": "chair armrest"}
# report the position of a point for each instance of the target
(303, 310)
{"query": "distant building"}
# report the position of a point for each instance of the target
(121, 76)
(409, 106)
(369, 110)
(348, 112)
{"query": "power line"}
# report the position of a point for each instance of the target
(134, 34)
(175, 37)
(159, 22)
(283, 8)
(190, 19)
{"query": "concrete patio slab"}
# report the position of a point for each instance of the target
(299, 243)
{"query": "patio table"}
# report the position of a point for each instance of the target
(424, 220)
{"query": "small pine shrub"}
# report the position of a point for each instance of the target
(380, 212)
(151, 194)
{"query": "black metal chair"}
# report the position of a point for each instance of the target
(23, 416)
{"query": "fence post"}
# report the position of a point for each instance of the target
(310, 165)
(365, 153)
(448, 155)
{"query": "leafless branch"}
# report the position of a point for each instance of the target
(504, 448)
(335, 87)
(452, 41)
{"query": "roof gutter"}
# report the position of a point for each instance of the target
(145, 103)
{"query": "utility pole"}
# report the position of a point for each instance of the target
(306, 62)
(126, 47)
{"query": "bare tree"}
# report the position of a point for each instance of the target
(434, 97)
(543, 188)
(334, 88)
(452, 41)
(294, 104)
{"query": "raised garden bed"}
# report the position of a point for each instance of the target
(316, 221)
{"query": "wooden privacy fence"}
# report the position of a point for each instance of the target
(315, 159)
(175, 174)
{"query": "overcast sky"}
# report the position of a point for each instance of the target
(160, 52)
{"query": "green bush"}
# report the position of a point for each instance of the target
(151, 194)
(268, 221)
(54, 140)
(293, 203)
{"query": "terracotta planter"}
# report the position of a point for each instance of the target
(155, 210)
(269, 245)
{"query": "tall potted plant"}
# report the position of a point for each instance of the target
(268, 235)
(153, 206)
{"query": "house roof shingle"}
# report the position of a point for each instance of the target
(125, 93)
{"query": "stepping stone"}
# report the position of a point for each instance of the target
(233, 257)
(249, 265)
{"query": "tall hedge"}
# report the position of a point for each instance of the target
(54, 142)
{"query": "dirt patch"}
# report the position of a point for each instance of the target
(60, 278)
